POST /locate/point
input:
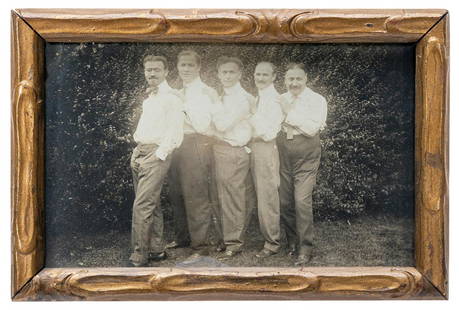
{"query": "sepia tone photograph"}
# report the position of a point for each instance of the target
(217, 155)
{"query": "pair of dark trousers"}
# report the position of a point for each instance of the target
(182, 236)
(196, 174)
(264, 165)
(299, 163)
(148, 173)
(232, 170)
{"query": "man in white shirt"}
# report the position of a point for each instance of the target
(158, 133)
(195, 154)
(299, 148)
(264, 161)
(232, 161)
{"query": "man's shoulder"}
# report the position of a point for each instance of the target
(248, 96)
(206, 89)
(315, 95)
(173, 95)
(174, 92)
(283, 98)
(245, 94)
(209, 92)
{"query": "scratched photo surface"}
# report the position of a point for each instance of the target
(363, 201)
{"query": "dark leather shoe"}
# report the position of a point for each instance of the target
(220, 247)
(302, 260)
(291, 251)
(156, 257)
(265, 253)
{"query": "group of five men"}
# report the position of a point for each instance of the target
(223, 151)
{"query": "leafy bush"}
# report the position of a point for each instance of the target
(93, 97)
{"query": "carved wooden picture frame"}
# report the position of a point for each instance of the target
(31, 28)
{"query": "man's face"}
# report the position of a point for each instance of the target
(295, 81)
(188, 68)
(229, 74)
(264, 75)
(155, 73)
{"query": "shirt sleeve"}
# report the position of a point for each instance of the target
(227, 116)
(199, 115)
(266, 122)
(308, 117)
(173, 135)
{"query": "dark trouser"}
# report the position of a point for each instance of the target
(232, 169)
(196, 174)
(182, 236)
(147, 217)
(264, 165)
(299, 162)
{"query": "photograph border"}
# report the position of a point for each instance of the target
(32, 28)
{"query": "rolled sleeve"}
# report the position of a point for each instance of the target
(173, 135)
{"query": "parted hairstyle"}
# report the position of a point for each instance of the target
(156, 58)
(192, 54)
(226, 59)
(273, 66)
(295, 65)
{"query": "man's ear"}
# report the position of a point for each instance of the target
(167, 72)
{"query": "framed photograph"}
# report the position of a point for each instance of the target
(229, 154)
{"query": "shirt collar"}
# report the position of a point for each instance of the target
(197, 83)
(236, 88)
(268, 92)
(302, 95)
(163, 87)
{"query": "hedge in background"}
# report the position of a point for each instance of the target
(93, 99)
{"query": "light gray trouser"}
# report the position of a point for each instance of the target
(264, 165)
(147, 217)
(232, 166)
(197, 178)
(299, 163)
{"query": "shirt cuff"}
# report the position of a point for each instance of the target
(161, 154)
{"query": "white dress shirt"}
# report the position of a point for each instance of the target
(267, 119)
(307, 114)
(231, 114)
(161, 121)
(199, 100)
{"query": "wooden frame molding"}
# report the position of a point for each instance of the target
(428, 29)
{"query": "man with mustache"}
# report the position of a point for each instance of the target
(232, 161)
(264, 161)
(299, 148)
(158, 133)
(195, 158)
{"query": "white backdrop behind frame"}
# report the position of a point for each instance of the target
(5, 156)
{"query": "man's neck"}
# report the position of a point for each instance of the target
(190, 82)
(231, 89)
(264, 89)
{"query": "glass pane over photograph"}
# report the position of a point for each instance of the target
(215, 155)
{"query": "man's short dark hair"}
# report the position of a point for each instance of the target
(226, 59)
(156, 58)
(295, 65)
(192, 54)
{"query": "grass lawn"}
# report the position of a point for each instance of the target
(363, 241)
